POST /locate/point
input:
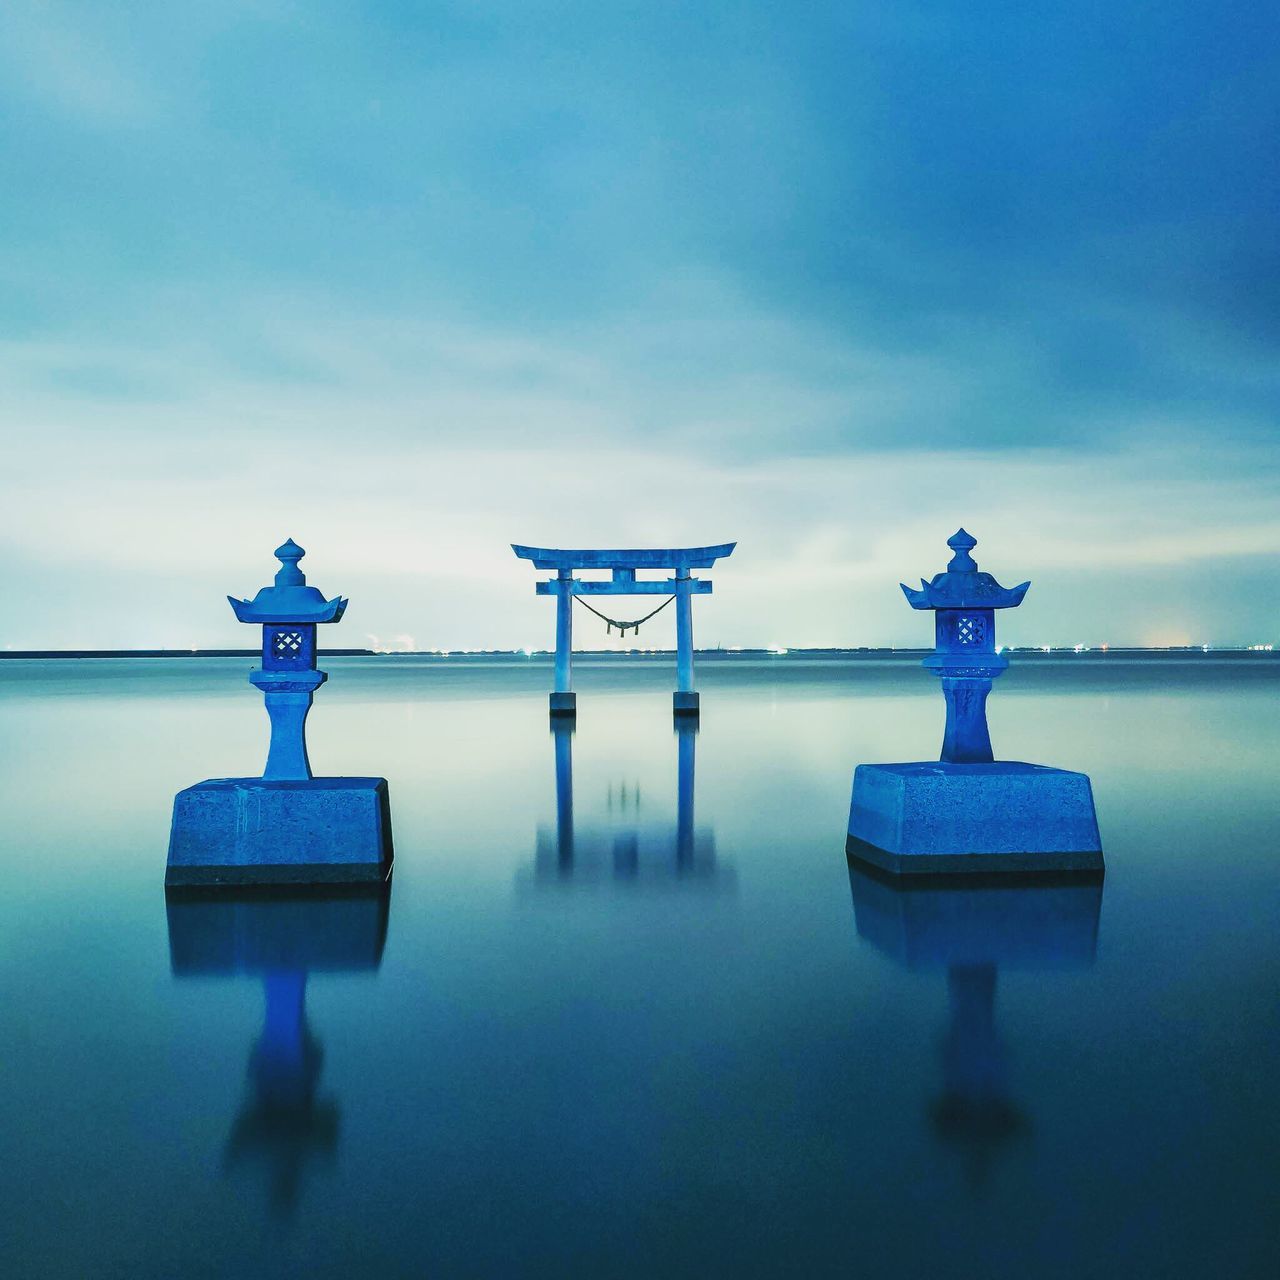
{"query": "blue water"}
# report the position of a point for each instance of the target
(686, 1040)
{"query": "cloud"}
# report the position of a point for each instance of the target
(410, 282)
(67, 61)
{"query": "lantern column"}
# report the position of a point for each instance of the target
(288, 694)
(965, 659)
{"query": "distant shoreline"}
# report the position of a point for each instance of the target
(1112, 651)
(165, 653)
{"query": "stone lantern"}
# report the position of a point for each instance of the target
(286, 827)
(968, 812)
(964, 602)
(289, 612)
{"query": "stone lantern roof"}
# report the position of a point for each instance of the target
(962, 586)
(289, 599)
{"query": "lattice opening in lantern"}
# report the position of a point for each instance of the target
(287, 644)
(971, 630)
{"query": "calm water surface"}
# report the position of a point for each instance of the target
(654, 1025)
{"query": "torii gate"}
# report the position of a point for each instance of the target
(564, 586)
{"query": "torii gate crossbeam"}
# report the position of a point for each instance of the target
(622, 564)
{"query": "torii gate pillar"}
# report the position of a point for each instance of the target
(563, 700)
(685, 700)
(623, 565)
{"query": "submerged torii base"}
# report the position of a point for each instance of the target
(623, 565)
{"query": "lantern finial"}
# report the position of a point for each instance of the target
(289, 575)
(962, 543)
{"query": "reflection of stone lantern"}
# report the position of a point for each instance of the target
(972, 931)
(968, 811)
(286, 827)
(964, 603)
(285, 1125)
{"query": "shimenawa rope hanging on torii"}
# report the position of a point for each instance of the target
(623, 627)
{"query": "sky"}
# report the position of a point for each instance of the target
(410, 282)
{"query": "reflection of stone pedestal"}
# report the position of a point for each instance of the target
(283, 1124)
(938, 817)
(972, 929)
(1030, 924)
(230, 934)
(263, 831)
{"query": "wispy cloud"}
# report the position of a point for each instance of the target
(68, 59)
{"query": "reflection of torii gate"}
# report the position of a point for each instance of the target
(564, 586)
(643, 853)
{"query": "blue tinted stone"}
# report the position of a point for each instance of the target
(933, 816)
(286, 827)
(969, 811)
(267, 831)
(623, 564)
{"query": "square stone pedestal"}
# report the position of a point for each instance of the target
(564, 704)
(243, 831)
(684, 704)
(931, 817)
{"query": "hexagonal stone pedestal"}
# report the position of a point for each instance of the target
(238, 831)
(932, 817)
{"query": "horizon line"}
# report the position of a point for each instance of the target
(721, 650)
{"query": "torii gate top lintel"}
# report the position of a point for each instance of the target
(637, 558)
